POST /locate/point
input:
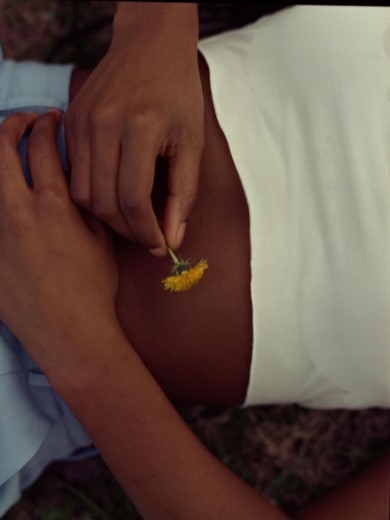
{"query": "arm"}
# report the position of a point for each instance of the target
(366, 496)
(57, 292)
(161, 465)
(143, 100)
(58, 283)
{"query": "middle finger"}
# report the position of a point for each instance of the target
(12, 181)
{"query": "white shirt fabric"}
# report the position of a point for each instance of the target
(303, 98)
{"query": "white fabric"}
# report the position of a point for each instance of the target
(303, 97)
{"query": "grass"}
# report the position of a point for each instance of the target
(289, 453)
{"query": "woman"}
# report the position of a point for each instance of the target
(298, 279)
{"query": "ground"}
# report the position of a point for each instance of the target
(287, 452)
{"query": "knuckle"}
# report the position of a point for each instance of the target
(6, 144)
(102, 119)
(144, 120)
(133, 205)
(104, 211)
(191, 200)
(80, 196)
(53, 196)
(15, 120)
(140, 119)
(39, 135)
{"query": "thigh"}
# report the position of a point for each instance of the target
(198, 343)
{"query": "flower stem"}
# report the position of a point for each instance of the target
(175, 260)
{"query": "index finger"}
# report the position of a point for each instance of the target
(183, 182)
(12, 181)
(135, 185)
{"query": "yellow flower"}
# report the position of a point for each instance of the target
(183, 276)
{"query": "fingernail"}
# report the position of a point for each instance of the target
(180, 233)
(158, 251)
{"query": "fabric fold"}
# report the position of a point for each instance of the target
(36, 426)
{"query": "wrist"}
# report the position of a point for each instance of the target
(136, 19)
(77, 80)
(85, 359)
(132, 13)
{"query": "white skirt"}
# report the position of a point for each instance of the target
(303, 98)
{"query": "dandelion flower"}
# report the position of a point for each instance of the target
(183, 276)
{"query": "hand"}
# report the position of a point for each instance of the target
(57, 274)
(143, 100)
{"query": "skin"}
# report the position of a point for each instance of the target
(366, 496)
(213, 320)
(114, 138)
(160, 464)
(206, 374)
(158, 324)
(58, 282)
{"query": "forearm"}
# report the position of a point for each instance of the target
(161, 465)
(366, 496)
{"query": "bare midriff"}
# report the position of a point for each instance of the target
(197, 344)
